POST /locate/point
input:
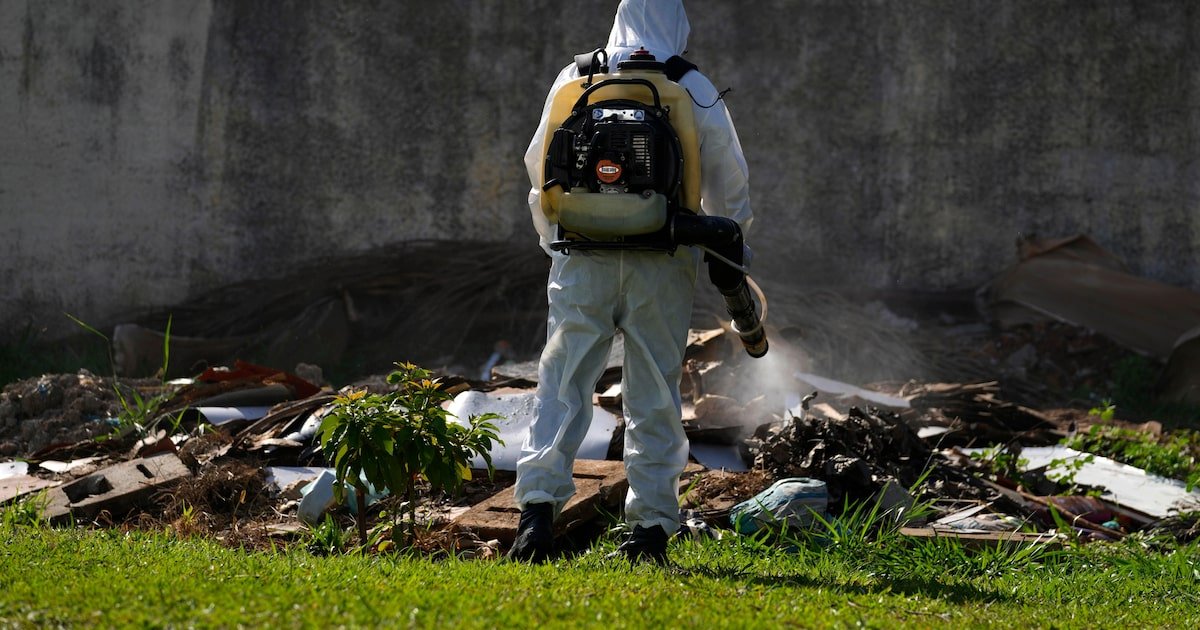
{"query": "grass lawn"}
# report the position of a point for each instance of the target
(109, 578)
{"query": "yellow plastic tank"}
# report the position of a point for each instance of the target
(673, 98)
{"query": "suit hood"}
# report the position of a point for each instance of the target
(661, 26)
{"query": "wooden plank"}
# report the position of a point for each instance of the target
(598, 483)
(15, 487)
(977, 540)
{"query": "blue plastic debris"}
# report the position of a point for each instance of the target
(793, 502)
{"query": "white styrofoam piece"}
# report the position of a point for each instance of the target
(58, 467)
(13, 469)
(284, 477)
(518, 411)
(831, 386)
(218, 416)
(1126, 485)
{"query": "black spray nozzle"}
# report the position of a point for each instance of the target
(723, 237)
(746, 324)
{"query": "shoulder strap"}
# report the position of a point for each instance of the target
(677, 67)
(587, 63)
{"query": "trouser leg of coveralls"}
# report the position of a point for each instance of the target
(582, 292)
(654, 319)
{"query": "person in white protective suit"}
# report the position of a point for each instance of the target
(646, 295)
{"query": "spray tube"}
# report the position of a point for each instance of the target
(721, 240)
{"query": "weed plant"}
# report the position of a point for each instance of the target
(327, 538)
(1134, 378)
(1002, 461)
(139, 414)
(1176, 454)
(867, 538)
(27, 512)
(1134, 382)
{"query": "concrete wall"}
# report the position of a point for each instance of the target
(923, 137)
(151, 150)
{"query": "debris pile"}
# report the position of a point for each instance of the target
(854, 453)
(975, 413)
(234, 451)
(55, 409)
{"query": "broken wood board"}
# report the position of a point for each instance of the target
(117, 489)
(1074, 280)
(15, 487)
(598, 483)
(979, 541)
(610, 398)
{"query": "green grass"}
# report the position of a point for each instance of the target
(1175, 454)
(109, 578)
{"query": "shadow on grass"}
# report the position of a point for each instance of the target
(927, 587)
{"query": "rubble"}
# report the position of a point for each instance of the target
(858, 452)
(55, 409)
(245, 436)
(1118, 483)
(116, 490)
(983, 540)
(15, 481)
(854, 455)
(973, 412)
(715, 492)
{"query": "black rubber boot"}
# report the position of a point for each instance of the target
(535, 534)
(645, 543)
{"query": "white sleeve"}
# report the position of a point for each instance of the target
(534, 157)
(725, 179)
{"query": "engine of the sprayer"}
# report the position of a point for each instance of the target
(617, 147)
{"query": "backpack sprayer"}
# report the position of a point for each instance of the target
(623, 173)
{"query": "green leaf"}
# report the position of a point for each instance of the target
(328, 425)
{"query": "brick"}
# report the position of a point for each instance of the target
(117, 489)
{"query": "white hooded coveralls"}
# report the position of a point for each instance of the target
(646, 295)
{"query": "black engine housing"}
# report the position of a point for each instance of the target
(617, 146)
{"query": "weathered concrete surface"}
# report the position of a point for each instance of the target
(922, 138)
(117, 489)
(98, 109)
(153, 150)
